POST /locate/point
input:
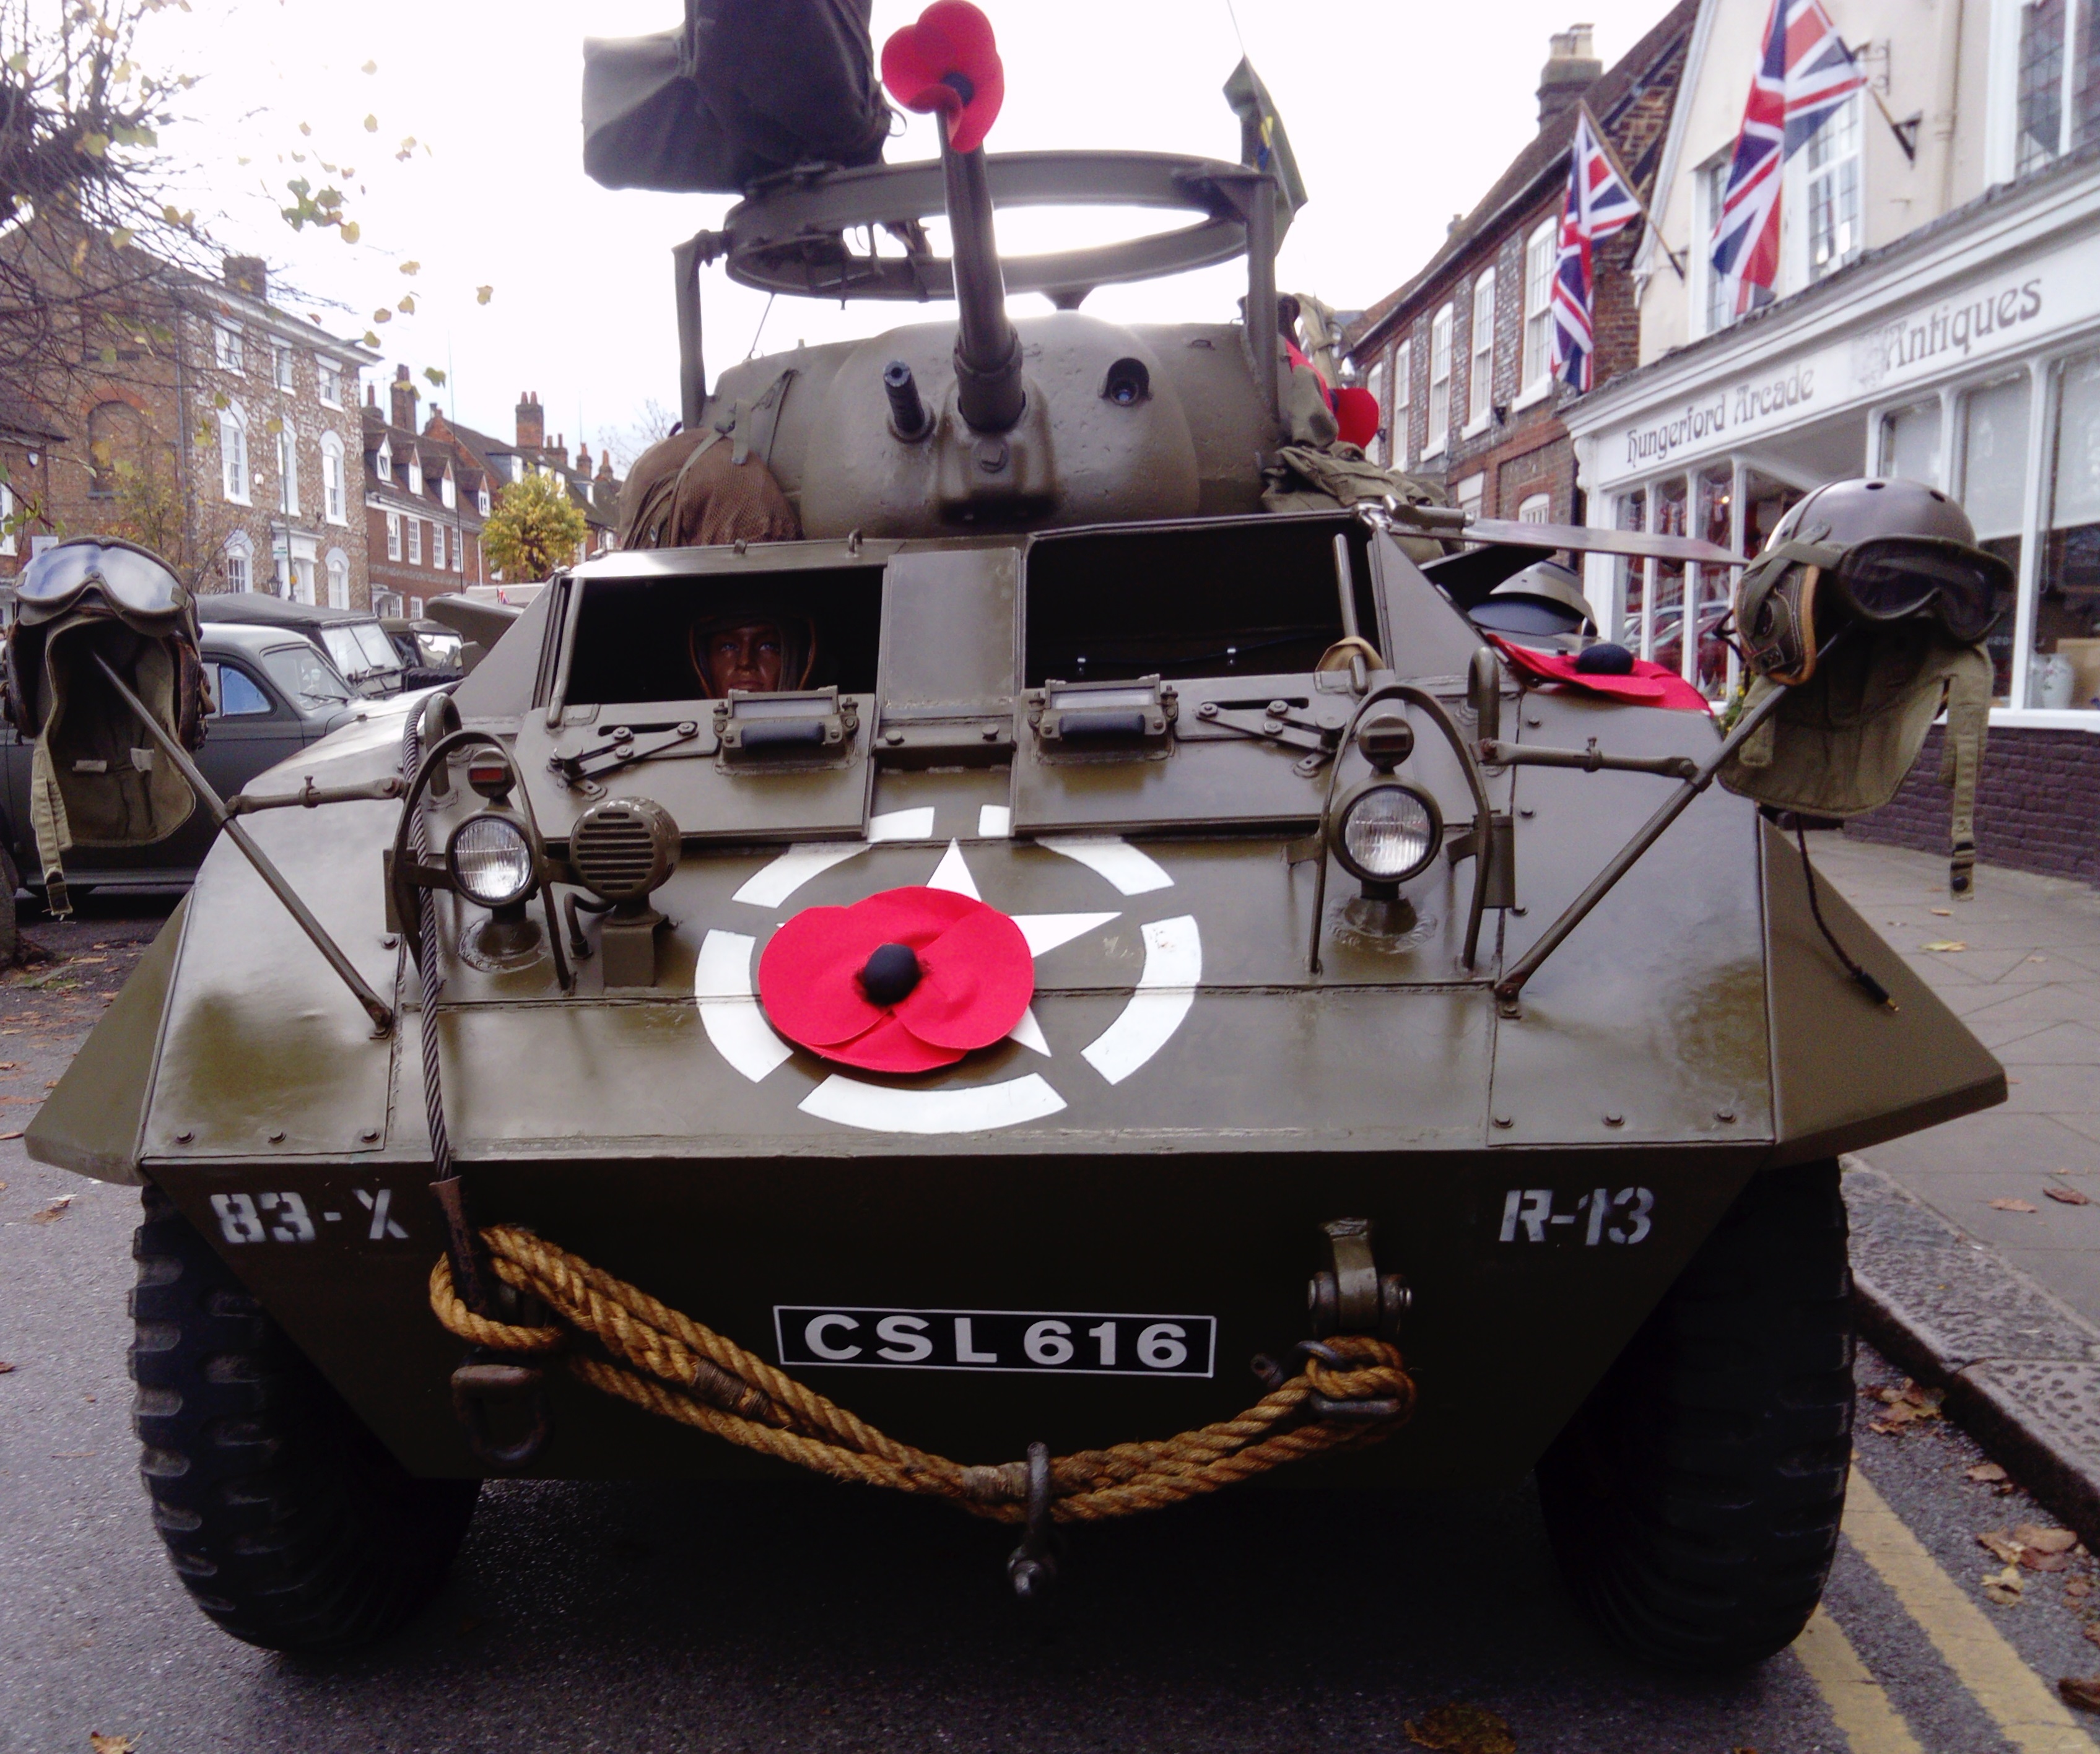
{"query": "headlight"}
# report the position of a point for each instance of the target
(1388, 832)
(491, 860)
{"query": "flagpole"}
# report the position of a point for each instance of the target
(1625, 181)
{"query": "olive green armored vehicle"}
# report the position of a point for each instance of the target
(1055, 967)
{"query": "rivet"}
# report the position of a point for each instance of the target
(185, 1136)
(1527, 812)
(991, 734)
(1533, 721)
(1519, 911)
(277, 1137)
(1503, 1119)
(893, 738)
(1724, 1114)
(1615, 1120)
(370, 1135)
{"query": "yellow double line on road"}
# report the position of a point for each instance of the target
(2028, 1714)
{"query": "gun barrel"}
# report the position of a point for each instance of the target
(988, 388)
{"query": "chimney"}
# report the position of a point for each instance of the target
(605, 465)
(249, 275)
(404, 399)
(531, 424)
(1569, 71)
(583, 458)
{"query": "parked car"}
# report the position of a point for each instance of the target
(274, 694)
(429, 650)
(352, 639)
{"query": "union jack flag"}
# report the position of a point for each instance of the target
(1803, 74)
(1599, 204)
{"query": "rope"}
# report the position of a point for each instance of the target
(662, 1359)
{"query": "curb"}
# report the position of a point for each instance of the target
(2021, 1368)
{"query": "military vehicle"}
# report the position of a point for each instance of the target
(1137, 925)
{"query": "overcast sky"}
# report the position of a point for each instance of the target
(1401, 113)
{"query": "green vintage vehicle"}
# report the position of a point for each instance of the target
(1276, 943)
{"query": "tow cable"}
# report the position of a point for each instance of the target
(1352, 1391)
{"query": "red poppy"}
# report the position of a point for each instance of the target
(949, 62)
(907, 981)
(1355, 414)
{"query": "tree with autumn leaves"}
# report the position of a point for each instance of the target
(534, 529)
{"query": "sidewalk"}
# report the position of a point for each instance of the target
(2026, 978)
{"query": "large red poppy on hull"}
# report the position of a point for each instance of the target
(948, 62)
(907, 981)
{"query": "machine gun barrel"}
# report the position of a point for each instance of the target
(988, 388)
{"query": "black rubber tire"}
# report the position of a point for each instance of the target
(287, 1520)
(1693, 1502)
(10, 924)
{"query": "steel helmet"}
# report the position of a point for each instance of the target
(1544, 599)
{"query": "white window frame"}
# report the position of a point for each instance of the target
(226, 350)
(415, 471)
(328, 382)
(448, 490)
(288, 471)
(383, 461)
(335, 498)
(1535, 508)
(1481, 357)
(459, 549)
(337, 569)
(1706, 284)
(281, 357)
(236, 477)
(1402, 377)
(240, 561)
(1438, 439)
(415, 541)
(393, 536)
(1801, 197)
(482, 501)
(7, 518)
(1535, 368)
(1470, 494)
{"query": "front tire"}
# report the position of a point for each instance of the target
(288, 1522)
(1693, 1502)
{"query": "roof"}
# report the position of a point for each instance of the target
(262, 609)
(1542, 161)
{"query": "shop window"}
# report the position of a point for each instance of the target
(1481, 400)
(1539, 259)
(1440, 384)
(2064, 668)
(1832, 167)
(1910, 443)
(1633, 574)
(1715, 585)
(1994, 474)
(1672, 513)
(1766, 501)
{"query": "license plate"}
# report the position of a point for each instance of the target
(1073, 1345)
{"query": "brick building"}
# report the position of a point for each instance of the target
(195, 417)
(1460, 357)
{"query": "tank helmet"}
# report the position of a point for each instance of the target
(1871, 552)
(798, 637)
(1545, 600)
(130, 582)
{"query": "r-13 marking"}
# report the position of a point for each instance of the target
(1623, 1217)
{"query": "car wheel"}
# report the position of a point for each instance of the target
(1693, 1502)
(288, 1522)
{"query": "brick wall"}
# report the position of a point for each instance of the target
(2037, 805)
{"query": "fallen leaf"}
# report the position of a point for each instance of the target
(2001, 1205)
(2034, 1560)
(53, 1211)
(2003, 1586)
(2067, 1196)
(5, 1367)
(1945, 944)
(111, 1744)
(2077, 1590)
(2044, 1539)
(17, 1134)
(2091, 1629)
(1997, 1541)
(1462, 1730)
(2083, 1694)
(1986, 1470)
(1944, 913)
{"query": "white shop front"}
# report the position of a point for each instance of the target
(1966, 355)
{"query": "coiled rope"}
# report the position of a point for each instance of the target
(663, 1360)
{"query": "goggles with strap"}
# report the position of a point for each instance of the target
(130, 578)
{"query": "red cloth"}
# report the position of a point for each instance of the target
(952, 37)
(976, 979)
(1356, 413)
(1649, 685)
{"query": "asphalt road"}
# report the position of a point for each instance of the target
(668, 1617)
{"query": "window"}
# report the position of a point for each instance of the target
(226, 347)
(302, 589)
(233, 456)
(1481, 399)
(328, 374)
(1672, 507)
(1539, 255)
(1833, 169)
(2056, 98)
(482, 500)
(459, 549)
(1713, 668)
(240, 563)
(1401, 420)
(288, 473)
(415, 471)
(415, 541)
(305, 675)
(393, 536)
(1720, 289)
(280, 364)
(416, 607)
(333, 507)
(1633, 576)
(235, 693)
(1992, 427)
(1910, 443)
(1470, 493)
(1535, 508)
(2063, 670)
(1439, 383)
(339, 579)
(383, 463)
(7, 518)
(448, 490)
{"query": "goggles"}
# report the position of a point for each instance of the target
(131, 578)
(1966, 591)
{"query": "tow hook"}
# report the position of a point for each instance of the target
(480, 1386)
(1032, 1566)
(1350, 1295)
